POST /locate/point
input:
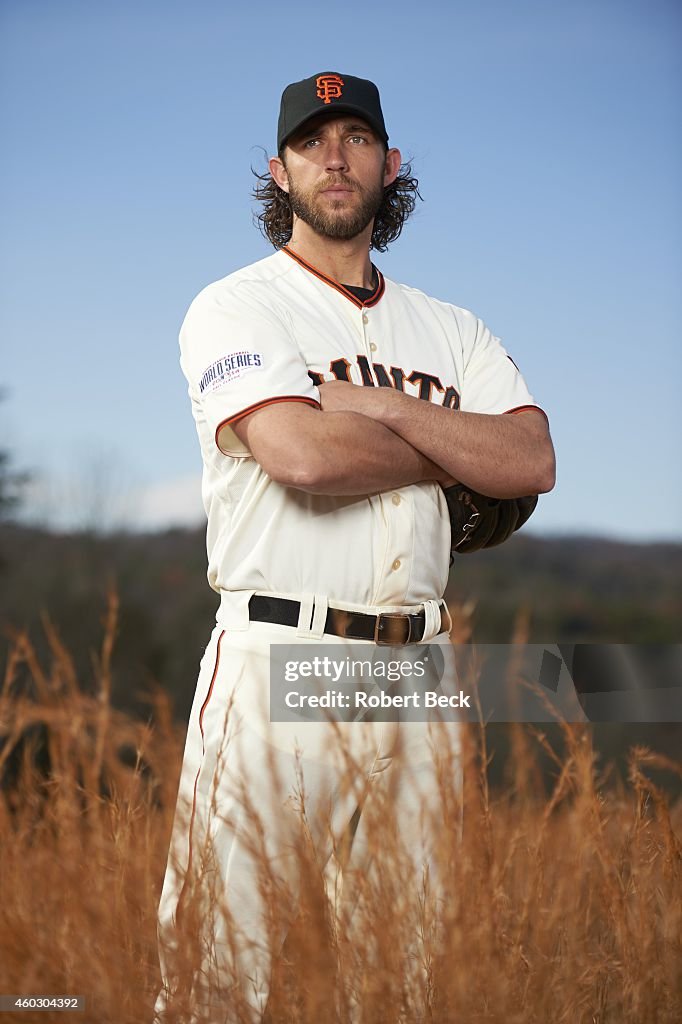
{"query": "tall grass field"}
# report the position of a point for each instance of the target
(563, 904)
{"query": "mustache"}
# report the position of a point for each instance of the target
(339, 180)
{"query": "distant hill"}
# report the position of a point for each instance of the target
(573, 589)
(576, 589)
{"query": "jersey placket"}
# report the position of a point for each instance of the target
(396, 507)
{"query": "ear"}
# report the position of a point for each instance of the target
(279, 173)
(392, 166)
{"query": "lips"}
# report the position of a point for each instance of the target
(337, 192)
(338, 187)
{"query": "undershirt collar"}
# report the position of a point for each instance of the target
(364, 293)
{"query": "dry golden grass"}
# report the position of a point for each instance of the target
(560, 908)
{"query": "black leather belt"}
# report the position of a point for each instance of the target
(385, 628)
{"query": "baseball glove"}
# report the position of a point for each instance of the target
(477, 521)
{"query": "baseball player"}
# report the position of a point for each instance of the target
(332, 405)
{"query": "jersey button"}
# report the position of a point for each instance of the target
(365, 318)
(372, 346)
(396, 564)
(396, 499)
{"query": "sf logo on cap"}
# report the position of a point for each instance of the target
(329, 87)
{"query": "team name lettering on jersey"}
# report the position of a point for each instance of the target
(228, 369)
(424, 385)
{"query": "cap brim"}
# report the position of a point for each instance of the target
(338, 108)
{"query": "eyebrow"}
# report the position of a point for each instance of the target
(348, 126)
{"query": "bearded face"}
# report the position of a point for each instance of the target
(336, 214)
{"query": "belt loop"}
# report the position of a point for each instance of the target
(233, 610)
(319, 616)
(305, 614)
(431, 620)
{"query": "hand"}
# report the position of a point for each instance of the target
(435, 473)
(442, 478)
(342, 396)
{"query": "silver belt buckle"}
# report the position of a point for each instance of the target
(392, 617)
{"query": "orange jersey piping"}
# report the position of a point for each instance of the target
(523, 408)
(196, 780)
(261, 405)
(371, 301)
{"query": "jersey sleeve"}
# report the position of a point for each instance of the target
(238, 355)
(492, 381)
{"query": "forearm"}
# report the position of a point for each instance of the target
(504, 456)
(350, 454)
(343, 453)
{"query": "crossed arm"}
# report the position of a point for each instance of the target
(369, 440)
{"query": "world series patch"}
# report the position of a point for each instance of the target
(228, 369)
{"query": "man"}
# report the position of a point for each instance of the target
(331, 405)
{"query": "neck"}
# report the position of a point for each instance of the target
(347, 262)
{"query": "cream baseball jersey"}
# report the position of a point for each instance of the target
(273, 332)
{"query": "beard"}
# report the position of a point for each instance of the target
(337, 219)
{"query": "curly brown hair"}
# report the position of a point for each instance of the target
(275, 219)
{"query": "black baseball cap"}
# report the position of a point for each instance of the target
(328, 93)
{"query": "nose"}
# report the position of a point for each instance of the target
(336, 159)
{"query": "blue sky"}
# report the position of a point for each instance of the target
(547, 141)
